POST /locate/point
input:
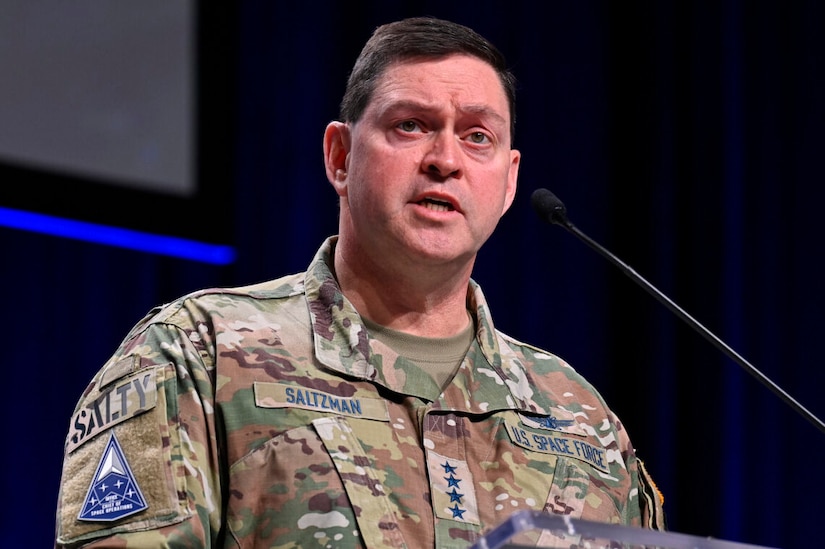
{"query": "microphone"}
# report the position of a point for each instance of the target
(551, 210)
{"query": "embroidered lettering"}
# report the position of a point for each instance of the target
(558, 445)
(132, 396)
(278, 395)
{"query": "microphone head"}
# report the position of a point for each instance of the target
(549, 208)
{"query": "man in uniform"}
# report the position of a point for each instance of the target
(369, 401)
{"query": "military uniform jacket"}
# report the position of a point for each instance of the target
(266, 416)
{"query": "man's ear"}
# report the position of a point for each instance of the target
(336, 148)
(512, 179)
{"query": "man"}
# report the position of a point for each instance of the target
(368, 402)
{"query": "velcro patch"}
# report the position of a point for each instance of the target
(113, 492)
(549, 442)
(452, 487)
(117, 403)
(281, 395)
(160, 462)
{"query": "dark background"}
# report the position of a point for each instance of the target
(687, 137)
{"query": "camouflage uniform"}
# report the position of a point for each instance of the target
(266, 416)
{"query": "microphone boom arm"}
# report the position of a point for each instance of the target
(552, 210)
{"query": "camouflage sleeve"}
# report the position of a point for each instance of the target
(140, 466)
(652, 501)
(646, 499)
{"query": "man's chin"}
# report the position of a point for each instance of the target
(442, 254)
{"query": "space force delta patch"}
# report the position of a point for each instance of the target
(113, 492)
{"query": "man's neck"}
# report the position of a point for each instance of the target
(419, 300)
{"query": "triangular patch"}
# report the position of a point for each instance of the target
(113, 492)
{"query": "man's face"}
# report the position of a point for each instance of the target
(428, 168)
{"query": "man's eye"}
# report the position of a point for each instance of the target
(479, 138)
(408, 126)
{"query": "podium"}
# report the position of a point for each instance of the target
(543, 530)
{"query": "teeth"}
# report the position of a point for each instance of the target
(436, 206)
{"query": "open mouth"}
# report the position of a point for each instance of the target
(437, 205)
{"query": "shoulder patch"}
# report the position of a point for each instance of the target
(116, 403)
(113, 492)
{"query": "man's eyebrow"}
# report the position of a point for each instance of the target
(484, 111)
(407, 105)
(475, 109)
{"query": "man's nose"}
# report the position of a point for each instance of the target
(444, 155)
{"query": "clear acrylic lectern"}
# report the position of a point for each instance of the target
(543, 530)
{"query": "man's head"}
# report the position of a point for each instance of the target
(423, 161)
(424, 38)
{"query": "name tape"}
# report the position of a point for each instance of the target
(552, 443)
(279, 395)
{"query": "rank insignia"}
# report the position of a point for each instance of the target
(452, 489)
(113, 492)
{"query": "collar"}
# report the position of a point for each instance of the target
(497, 377)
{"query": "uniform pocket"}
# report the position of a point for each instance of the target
(574, 494)
(288, 493)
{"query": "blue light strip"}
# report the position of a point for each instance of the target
(215, 254)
